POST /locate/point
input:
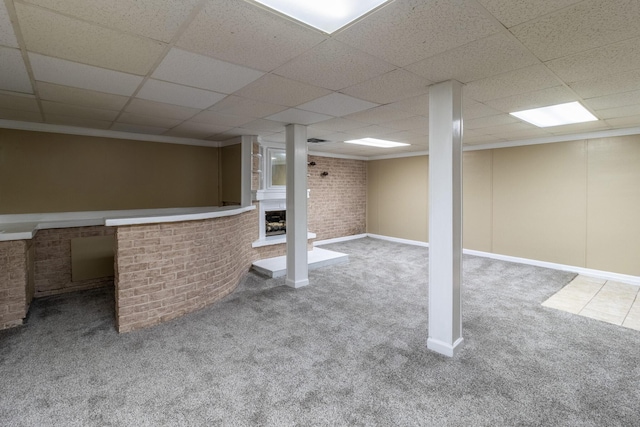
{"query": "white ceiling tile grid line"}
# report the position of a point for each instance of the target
(221, 68)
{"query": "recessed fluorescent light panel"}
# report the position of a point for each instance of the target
(556, 115)
(325, 15)
(380, 143)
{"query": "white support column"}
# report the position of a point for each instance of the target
(445, 217)
(245, 170)
(297, 266)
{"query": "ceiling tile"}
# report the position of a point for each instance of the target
(55, 35)
(158, 109)
(410, 123)
(417, 105)
(7, 35)
(158, 122)
(608, 84)
(539, 98)
(508, 129)
(513, 12)
(516, 82)
(157, 19)
(20, 115)
(627, 121)
(54, 70)
(407, 31)
(149, 130)
(236, 105)
(582, 26)
(301, 117)
(13, 73)
(612, 59)
(239, 132)
(82, 97)
(513, 133)
(262, 125)
(334, 65)
(390, 87)
(337, 104)
(612, 113)
(199, 71)
(77, 122)
(613, 100)
(218, 119)
(278, 90)
(472, 138)
(229, 29)
(171, 93)
(378, 115)
(407, 137)
(339, 125)
(482, 58)
(18, 101)
(58, 109)
(195, 130)
(313, 132)
(472, 109)
(372, 131)
(483, 122)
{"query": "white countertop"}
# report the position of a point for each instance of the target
(25, 226)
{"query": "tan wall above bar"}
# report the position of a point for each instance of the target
(574, 203)
(47, 172)
(230, 176)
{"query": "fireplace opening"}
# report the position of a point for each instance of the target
(275, 223)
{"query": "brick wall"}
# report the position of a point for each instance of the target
(52, 259)
(338, 201)
(167, 270)
(14, 279)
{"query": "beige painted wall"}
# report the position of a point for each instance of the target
(613, 205)
(230, 174)
(477, 196)
(574, 203)
(46, 172)
(397, 200)
(539, 202)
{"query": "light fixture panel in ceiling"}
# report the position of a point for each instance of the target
(379, 143)
(325, 15)
(556, 115)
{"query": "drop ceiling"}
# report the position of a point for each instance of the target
(211, 70)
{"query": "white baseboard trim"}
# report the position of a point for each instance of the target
(339, 239)
(444, 348)
(607, 275)
(296, 283)
(398, 240)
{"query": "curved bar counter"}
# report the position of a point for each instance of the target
(168, 262)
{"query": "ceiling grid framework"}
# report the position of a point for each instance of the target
(211, 70)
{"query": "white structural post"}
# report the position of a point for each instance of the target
(245, 170)
(297, 267)
(445, 217)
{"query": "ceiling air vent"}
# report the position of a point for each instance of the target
(316, 140)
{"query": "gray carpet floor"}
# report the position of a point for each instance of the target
(349, 349)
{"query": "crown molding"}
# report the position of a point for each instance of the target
(103, 133)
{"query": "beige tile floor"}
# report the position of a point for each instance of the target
(606, 300)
